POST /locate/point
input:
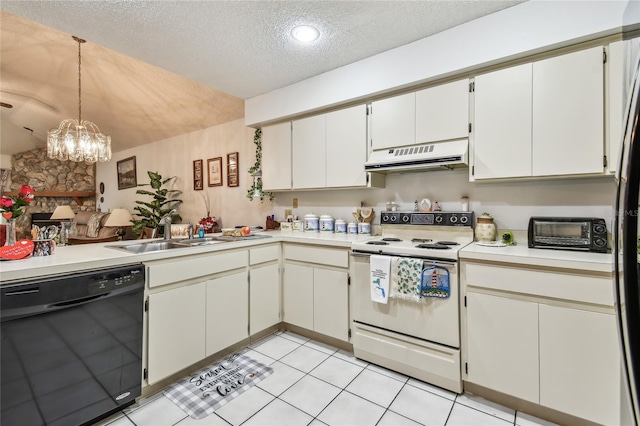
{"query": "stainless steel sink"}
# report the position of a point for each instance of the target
(150, 246)
(163, 245)
(199, 241)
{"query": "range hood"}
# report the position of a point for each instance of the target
(423, 157)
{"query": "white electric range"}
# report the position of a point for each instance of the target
(420, 338)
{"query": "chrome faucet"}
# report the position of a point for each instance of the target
(166, 219)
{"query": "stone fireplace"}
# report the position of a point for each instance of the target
(57, 183)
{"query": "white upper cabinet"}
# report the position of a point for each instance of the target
(442, 112)
(502, 123)
(329, 150)
(393, 121)
(309, 149)
(433, 114)
(346, 147)
(276, 157)
(568, 114)
(544, 118)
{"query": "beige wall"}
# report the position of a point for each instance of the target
(174, 157)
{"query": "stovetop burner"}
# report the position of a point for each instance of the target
(448, 243)
(391, 239)
(421, 240)
(434, 246)
(378, 243)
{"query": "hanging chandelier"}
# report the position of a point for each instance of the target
(78, 140)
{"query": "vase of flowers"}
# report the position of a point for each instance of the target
(12, 208)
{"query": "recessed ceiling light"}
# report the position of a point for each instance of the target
(305, 33)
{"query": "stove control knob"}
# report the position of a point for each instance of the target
(453, 219)
(439, 219)
(385, 218)
(464, 219)
(406, 218)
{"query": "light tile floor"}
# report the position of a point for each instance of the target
(315, 384)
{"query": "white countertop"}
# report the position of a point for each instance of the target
(85, 257)
(97, 255)
(522, 254)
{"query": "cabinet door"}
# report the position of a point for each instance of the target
(297, 297)
(615, 103)
(176, 330)
(502, 123)
(227, 311)
(442, 112)
(502, 345)
(276, 156)
(264, 297)
(331, 303)
(393, 121)
(580, 363)
(309, 163)
(346, 147)
(568, 114)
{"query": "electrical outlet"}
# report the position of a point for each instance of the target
(295, 203)
(287, 213)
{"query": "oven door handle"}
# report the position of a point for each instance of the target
(358, 254)
(426, 262)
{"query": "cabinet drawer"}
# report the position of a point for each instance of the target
(171, 271)
(320, 255)
(557, 284)
(264, 254)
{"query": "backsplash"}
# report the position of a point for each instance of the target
(510, 203)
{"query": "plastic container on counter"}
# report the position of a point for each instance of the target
(340, 226)
(327, 224)
(352, 228)
(311, 223)
(364, 228)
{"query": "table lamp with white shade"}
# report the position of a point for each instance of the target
(64, 214)
(119, 218)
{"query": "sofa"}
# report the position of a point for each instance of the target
(88, 227)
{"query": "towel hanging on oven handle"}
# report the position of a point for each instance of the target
(434, 282)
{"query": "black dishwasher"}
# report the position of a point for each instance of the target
(71, 346)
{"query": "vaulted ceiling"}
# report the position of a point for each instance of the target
(156, 69)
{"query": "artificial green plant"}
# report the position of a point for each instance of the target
(162, 203)
(256, 171)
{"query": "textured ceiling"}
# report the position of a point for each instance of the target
(211, 48)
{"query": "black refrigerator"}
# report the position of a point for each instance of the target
(627, 247)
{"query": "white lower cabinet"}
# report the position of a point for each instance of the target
(264, 297)
(331, 303)
(227, 311)
(548, 337)
(176, 333)
(579, 368)
(297, 289)
(317, 297)
(502, 345)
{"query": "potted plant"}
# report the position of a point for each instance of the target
(255, 191)
(163, 202)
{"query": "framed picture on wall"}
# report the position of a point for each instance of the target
(197, 175)
(232, 169)
(214, 169)
(126, 172)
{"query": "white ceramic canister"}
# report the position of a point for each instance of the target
(364, 228)
(352, 228)
(311, 223)
(340, 226)
(326, 223)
